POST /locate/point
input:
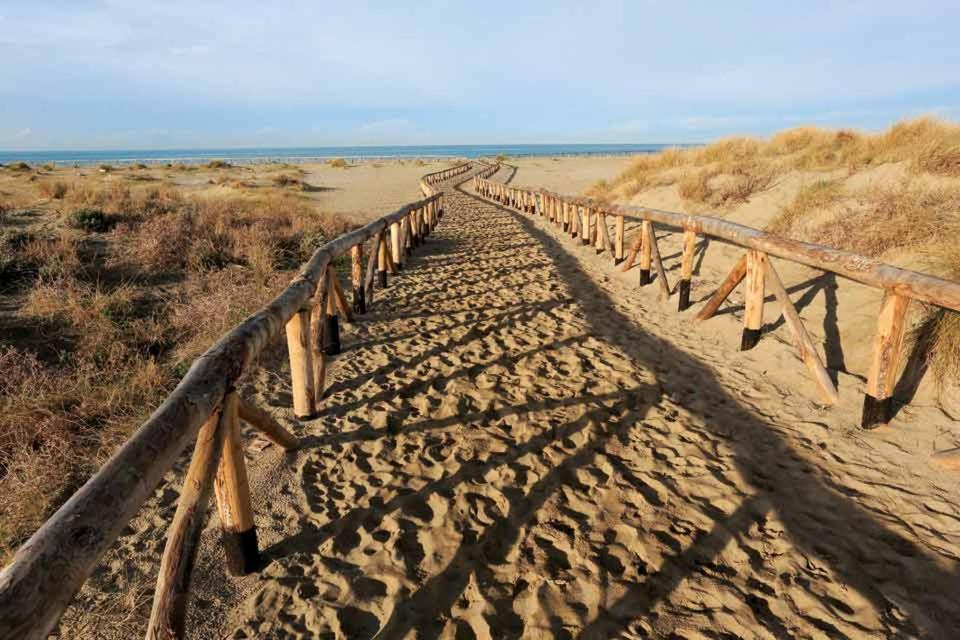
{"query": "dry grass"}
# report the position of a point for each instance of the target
(338, 163)
(107, 326)
(928, 145)
(813, 197)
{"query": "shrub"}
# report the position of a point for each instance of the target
(338, 163)
(105, 168)
(56, 190)
(90, 220)
(939, 158)
(18, 166)
(219, 164)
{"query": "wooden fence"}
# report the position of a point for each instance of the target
(589, 221)
(205, 407)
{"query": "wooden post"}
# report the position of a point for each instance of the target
(885, 363)
(371, 270)
(808, 352)
(645, 251)
(598, 231)
(318, 321)
(331, 329)
(686, 269)
(168, 614)
(382, 258)
(356, 278)
(754, 293)
(618, 236)
(301, 367)
(233, 497)
(396, 247)
(729, 283)
(265, 424)
(605, 237)
(585, 230)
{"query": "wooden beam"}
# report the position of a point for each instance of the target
(233, 497)
(686, 269)
(371, 270)
(735, 277)
(168, 614)
(264, 423)
(753, 294)
(805, 346)
(339, 296)
(301, 366)
(635, 247)
(658, 264)
(382, 259)
(605, 238)
(331, 329)
(885, 363)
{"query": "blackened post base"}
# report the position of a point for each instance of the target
(383, 279)
(585, 240)
(644, 277)
(617, 261)
(240, 548)
(749, 339)
(359, 300)
(683, 289)
(331, 335)
(876, 413)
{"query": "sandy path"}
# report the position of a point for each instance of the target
(515, 445)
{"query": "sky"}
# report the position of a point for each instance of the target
(79, 74)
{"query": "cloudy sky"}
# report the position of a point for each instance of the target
(188, 73)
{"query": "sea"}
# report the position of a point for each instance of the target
(307, 154)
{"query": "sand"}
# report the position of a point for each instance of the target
(517, 442)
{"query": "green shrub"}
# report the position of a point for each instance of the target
(90, 220)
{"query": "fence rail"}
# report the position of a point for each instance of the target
(49, 569)
(587, 219)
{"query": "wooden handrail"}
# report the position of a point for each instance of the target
(49, 569)
(573, 213)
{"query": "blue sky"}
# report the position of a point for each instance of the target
(124, 74)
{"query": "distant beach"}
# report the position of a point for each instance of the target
(307, 154)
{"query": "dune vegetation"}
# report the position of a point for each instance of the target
(884, 195)
(111, 291)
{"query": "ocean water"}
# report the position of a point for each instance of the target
(305, 154)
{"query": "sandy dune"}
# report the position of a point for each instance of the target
(518, 443)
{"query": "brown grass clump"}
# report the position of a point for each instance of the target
(219, 164)
(939, 158)
(812, 197)
(338, 163)
(53, 189)
(18, 167)
(695, 185)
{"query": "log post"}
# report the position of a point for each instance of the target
(396, 243)
(885, 363)
(618, 237)
(331, 329)
(382, 258)
(371, 270)
(356, 278)
(168, 615)
(605, 237)
(301, 367)
(686, 269)
(318, 321)
(585, 231)
(808, 352)
(233, 497)
(265, 424)
(646, 230)
(598, 231)
(735, 277)
(754, 293)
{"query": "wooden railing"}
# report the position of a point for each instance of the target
(588, 219)
(49, 569)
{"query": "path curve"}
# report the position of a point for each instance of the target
(514, 446)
